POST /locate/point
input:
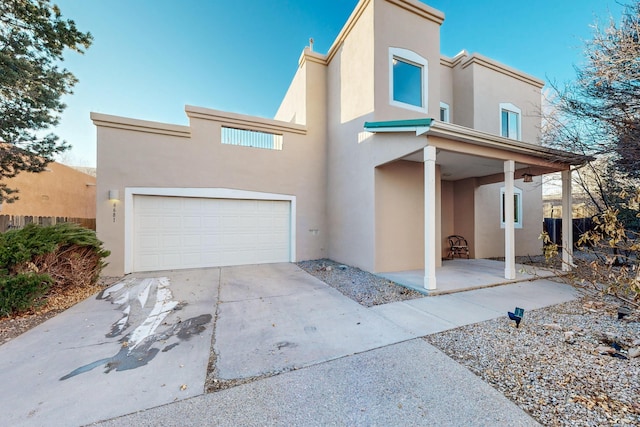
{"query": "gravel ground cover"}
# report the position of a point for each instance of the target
(362, 287)
(58, 301)
(560, 365)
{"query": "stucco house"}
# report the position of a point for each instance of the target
(380, 149)
(58, 191)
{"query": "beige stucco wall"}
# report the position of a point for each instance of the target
(446, 91)
(399, 216)
(58, 191)
(201, 161)
(358, 85)
(398, 27)
(293, 107)
(464, 211)
(479, 85)
(350, 178)
(351, 71)
(447, 204)
(492, 88)
(463, 96)
(489, 236)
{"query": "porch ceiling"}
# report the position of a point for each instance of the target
(455, 166)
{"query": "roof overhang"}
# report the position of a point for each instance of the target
(431, 127)
(419, 126)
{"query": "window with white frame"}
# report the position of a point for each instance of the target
(407, 79)
(444, 112)
(517, 207)
(510, 121)
(250, 138)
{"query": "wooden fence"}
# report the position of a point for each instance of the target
(11, 222)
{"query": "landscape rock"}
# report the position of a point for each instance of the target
(552, 326)
(605, 349)
(633, 352)
(569, 337)
(593, 306)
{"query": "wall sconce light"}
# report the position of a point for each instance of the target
(114, 195)
(527, 177)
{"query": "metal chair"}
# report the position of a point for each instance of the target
(458, 246)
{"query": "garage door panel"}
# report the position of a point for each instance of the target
(170, 241)
(171, 259)
(148, 242)
(175, 232)
(192, 222)
(192, 242)
(210, 221)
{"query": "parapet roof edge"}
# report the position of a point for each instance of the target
(244, 121)
(452, 62)
(413, 6)
(482, 60)
(126, 123)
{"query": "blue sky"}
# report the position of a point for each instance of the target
(151, 57)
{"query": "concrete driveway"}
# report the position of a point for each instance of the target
(277, 317)
(145, 342)
(142, 343)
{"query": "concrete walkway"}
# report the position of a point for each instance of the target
(430, 315)
(406, 384)
(462, 275)
(336, 361)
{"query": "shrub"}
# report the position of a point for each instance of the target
(612, 265)
(22, 292)
(35, 259)
(616, 249)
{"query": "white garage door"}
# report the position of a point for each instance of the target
(189, 232)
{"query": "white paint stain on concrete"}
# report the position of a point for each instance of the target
(124, 298)
(113, 289)
(163, 306)
(143, 295)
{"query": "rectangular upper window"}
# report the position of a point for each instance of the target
(407, 82)
(407, 79)
(444, 112)
(510, 121)
(251, 138)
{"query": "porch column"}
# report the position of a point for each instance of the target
(567, 221)
(509, 222)
(429, 158)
